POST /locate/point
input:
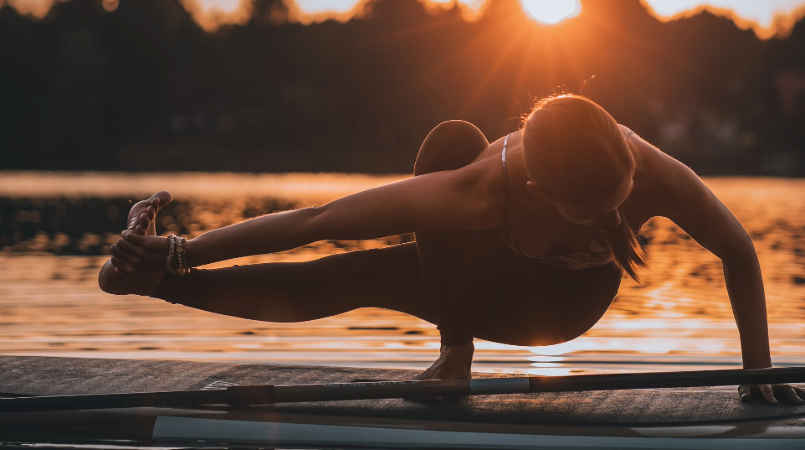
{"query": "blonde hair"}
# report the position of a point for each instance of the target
(575, 149)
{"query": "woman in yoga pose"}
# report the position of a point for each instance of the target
(523, 241)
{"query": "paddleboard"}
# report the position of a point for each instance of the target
(690, 418)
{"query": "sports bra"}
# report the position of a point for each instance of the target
(597, 255)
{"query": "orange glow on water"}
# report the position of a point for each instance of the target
(679, 319)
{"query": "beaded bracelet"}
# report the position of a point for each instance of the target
(171, 251)
(183, 267)
(179, 265)
(177, 255)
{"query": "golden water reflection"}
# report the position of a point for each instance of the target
(678, 319)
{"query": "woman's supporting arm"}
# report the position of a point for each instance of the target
(748, 299)
(688, 202)
(680, 195)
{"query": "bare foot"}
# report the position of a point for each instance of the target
(146, 211)
(141, 220)
(454, 363)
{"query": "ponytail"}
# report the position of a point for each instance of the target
(625, 249)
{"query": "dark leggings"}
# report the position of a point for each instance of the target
(468, 283)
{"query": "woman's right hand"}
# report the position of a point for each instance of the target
(136, 255)
(769, 392)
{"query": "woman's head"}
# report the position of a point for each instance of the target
(578, 159)
(576, 156)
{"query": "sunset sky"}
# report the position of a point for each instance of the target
(757, 14)
(761, 11)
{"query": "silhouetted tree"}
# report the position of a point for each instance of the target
(145, 88)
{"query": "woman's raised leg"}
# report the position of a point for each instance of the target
(392, 277)
(301, 291)
(284, 292)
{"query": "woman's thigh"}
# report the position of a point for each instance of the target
(445, 256)
(477, 283)
(525, 302)
(450, 145)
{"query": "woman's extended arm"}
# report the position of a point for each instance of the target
(463, 199)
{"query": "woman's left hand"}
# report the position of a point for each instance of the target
(136, 255)
(769, 391)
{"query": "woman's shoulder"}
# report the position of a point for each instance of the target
(659, 176)
(486, 179)
(654, 166)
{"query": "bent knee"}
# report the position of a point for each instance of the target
(455, 126)
(449, 145)
(457, 131)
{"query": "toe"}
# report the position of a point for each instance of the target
(143, 222)
(164, 197)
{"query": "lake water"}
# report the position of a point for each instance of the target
(55, 229)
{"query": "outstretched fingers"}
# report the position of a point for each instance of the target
(745, 392)
(765, 391)
(795, 394)
(769, 393)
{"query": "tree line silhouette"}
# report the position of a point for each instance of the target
(144, 88)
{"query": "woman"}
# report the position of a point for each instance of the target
(523, 241)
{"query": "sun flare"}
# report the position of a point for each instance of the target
(551, 11)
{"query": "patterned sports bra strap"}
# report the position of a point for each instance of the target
(503, 158)
(505, 176)
(503, 153)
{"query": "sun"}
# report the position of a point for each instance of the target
(551, 11)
